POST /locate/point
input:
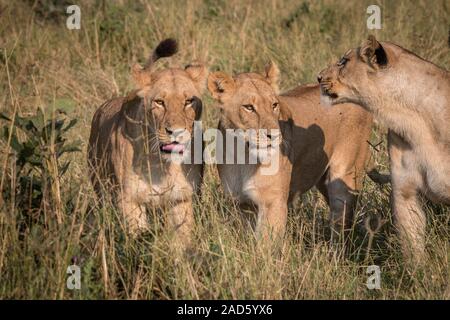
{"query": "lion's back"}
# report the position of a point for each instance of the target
(325, 134)
(104, 124)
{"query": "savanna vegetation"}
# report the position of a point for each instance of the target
(52, 79)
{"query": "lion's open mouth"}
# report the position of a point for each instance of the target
(332, 95)
(173, 147)
(326, 90)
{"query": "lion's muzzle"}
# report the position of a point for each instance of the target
(178, 138)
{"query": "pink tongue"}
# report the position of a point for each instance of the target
(173, 147)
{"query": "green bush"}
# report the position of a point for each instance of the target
(38, 145)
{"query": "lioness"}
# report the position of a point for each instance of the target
(411, 96)
(135, 138)
(318, 146)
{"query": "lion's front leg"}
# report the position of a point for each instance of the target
(271, 223)
(342, 197)
(134, 215)
(180, 221)
(410, 222)
(408, 214)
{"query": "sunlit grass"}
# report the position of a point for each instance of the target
(44, 64)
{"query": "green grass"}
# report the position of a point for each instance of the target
(44, 64)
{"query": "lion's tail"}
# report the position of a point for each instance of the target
(377, 177)
(165, 48)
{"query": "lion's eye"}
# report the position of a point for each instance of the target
(188, 102)
(342, 62)
(159, 102)
(249, 107)
(275, 106)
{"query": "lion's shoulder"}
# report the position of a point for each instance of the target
(113, 108)
(108, 109)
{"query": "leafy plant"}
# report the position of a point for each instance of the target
(38, 145)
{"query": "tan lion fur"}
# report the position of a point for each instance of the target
(321, 146)
(124, 146)
(411, 96)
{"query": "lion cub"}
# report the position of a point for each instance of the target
(134, 141)
(317, 146)
(411, 96)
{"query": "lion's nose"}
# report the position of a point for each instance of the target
(175, 133)
(273, 134)
(319, 78)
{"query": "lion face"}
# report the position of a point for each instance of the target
(353, 76)
(250, 105)
(171, 105)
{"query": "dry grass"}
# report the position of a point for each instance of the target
(44, 64)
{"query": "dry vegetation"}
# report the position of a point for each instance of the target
(43, 64)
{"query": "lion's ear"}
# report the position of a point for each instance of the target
(140, 75)
(220, 85)
(373, 53)
(198, 73)
(272, 74)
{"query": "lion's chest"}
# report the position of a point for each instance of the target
(159, 187)
(240, 181)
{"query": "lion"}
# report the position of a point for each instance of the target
(411, 96)
(136, 139)
(317, 146)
